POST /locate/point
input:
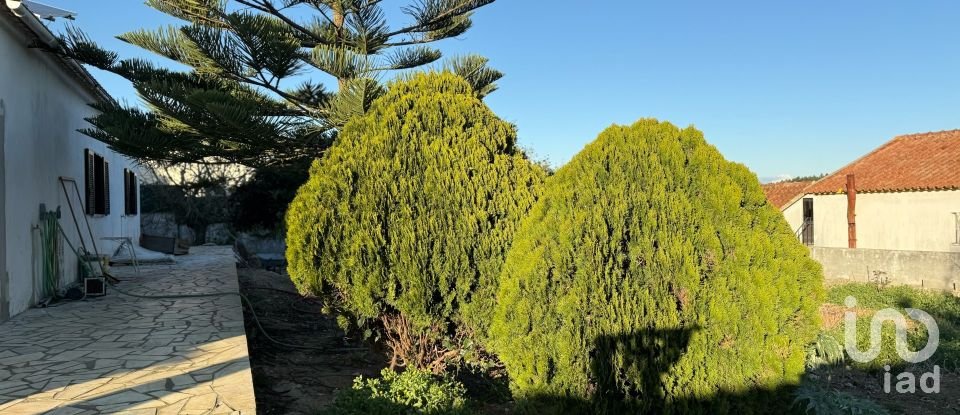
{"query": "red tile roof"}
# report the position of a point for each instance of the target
(780, 194)
(928, 161)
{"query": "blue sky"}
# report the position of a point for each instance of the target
(787, 88)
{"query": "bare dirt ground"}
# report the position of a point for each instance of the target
(870, 385)
(290, 380)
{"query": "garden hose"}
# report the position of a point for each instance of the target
(50, 249)
(246, 301)
(80, 257)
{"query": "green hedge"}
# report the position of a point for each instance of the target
(653, 273)
(412, 210)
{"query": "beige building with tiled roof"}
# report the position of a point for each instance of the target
(907, 198)
(901, 216)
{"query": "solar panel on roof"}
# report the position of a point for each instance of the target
(43, 11)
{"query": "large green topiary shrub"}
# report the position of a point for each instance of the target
(407, 219)
(654, 275)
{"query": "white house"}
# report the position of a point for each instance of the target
(892, 214)
(43, 102)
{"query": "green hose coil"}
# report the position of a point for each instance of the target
(50, 253)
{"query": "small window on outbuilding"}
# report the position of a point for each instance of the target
(956, 220)
(130, 199)
(806, 229)
(97, 179)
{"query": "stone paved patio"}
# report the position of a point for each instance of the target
(121, 354)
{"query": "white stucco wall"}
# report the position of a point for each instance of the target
(830, 220)
(794, 215)
(903, 221)
(44, 109)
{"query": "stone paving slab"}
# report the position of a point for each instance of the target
(127, 355)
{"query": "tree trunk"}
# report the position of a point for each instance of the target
(338, 19)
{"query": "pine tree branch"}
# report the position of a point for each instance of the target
(283, 94)
(326, 16)
(451, 12)
(267, 7)
(410, 42)
(231, 105)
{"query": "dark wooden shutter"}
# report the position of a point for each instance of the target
(99, 198)
(106, 187)
(134, 200)
(126, 192)
(129, 192)
(89, 202)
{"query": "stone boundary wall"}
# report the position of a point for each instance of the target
(164, 224)
(936, 270)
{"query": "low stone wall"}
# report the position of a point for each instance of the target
(936, 270)
(258, 244)
(164, 224)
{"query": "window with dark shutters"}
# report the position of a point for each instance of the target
(129, 192)
(106, 186)
(90, 183)
(126, 192)
(99, 200)
(97, 180)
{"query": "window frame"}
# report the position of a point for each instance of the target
(96, 174)
(806, 228)
(956, 226)
(131, 201)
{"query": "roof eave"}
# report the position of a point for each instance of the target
(897, 190)
(47, 39)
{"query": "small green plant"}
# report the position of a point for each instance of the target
(825, 350)
(880, 279)
(815, 400)
(410, 392)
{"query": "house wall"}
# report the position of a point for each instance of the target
(912, 221)
(794, 215)
(830, 220)
(44, 108)
(903, 221)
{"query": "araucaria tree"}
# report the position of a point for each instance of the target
(406, 220)
(250, 93)
(652, 276)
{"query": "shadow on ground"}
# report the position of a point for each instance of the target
(648, 355)
(299, 380)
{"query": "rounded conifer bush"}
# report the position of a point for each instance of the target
(407, 219)
(653, 276)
